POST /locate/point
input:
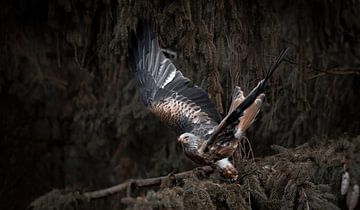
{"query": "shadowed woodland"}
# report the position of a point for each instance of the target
(72, 121)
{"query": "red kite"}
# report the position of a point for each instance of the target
(205, 137)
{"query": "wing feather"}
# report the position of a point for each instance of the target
(237, 98)
(249, 116)
(164, 89)
(231, 120)
(250, 113)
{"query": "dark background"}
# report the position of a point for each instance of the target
(70, 114)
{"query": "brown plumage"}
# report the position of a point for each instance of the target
(165, 91)
(249, 116)
(187, 108)
(237, 98)
(227, 148)
(170, 96)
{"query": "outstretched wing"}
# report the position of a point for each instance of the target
(224, 131)
(164, 90)
(226, 144)
(249, 114)
(249, 117)
(237, 98)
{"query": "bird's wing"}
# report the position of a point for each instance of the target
(231, 120)
(249, 116)
(237, 98)
(164, 90)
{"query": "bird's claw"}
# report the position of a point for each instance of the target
(229, 180)
(229, 176)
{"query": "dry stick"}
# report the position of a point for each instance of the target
(281, 86)
(339, 70)
(141, 183)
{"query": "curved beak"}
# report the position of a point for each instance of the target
(181, 140)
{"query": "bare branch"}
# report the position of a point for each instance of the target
(141, 183)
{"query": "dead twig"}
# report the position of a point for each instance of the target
(140, 183)
(61, 198)
(339, 70)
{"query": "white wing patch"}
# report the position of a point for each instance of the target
(169, 78)
(211, 131)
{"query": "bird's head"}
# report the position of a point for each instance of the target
(188, 139)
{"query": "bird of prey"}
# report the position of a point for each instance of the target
(205, 137)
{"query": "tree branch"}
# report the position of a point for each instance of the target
(141, 183)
